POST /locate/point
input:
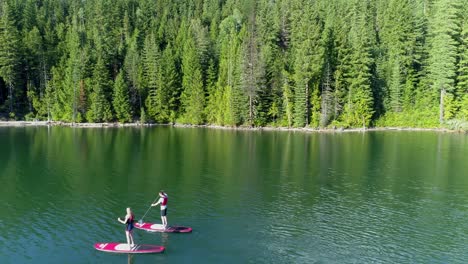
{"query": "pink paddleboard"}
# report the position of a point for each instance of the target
(151, 227)
(125, 248)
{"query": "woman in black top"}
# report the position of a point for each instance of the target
(128, 222)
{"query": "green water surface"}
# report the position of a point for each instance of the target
(250, 196)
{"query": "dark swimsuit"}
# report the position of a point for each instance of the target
(129, 223)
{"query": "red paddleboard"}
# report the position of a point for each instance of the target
(151, 227)
(125, 248)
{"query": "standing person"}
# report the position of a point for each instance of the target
(163, 201)
(128, 222)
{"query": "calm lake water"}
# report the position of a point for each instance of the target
(250, 196)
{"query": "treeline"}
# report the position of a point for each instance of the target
(322, 63)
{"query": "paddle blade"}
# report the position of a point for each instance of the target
(140, 221)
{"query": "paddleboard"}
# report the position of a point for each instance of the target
(125, 248)
(151, 227)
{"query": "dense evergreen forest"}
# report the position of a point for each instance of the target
(295, 63)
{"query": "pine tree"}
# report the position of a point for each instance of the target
(200, 36)
(326, 104)
(9, 57)
(153, 75)
(121, 102)
(193, 95)
(100, 108)
(29, 18)
(31, 60)
(32, 41)
(66, 76)
(236, 62)
(288, 99)
(252, 66)
(159, 97)
(105, 35)
(134, 70)
(399, 35)
(230, 96)
(462, 78)
(358, 109)
(301, 86)
(443, 46)
(268, 21)
(212, 104)
(340, 58)
(307, 59)
(48, 57)
(170, 86)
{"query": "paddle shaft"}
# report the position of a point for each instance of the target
(149, 209)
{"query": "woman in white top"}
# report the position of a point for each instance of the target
(163, 201)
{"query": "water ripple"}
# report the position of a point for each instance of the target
(258, 207)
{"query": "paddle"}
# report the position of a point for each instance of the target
(141, 220)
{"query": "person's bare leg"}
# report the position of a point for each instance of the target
(132, 243)
(127, 234)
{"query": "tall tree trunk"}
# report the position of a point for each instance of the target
(43, 91)
(251, 110)
(74, 101)
(1, 95)
(307, 104)
(441, 106)
(10, 95)
(28, 88)
(326, 98)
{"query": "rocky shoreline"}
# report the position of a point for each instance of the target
(244, 128)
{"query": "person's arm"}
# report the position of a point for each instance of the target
(159, 201)
(123, 221)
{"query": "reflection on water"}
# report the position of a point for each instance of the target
(260, 197)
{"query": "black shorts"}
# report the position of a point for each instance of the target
(164, 212)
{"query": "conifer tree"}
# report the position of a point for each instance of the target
(104, 34)
(340, 58)
(134, 70)
(193, 95)
(286, 62)
(121, 100)
(326, 104)
(268, 21)
(170, 86)
(153, 76)
(212, 99)
(100, 108)
(288, 99)
(443, 45)
(9, 57)
(462, 79)
(358, 108)
(252, 66)
(66, 77)
(32, 41)
(285, 78)
(400, 37)
(308, 54)
(229, 93)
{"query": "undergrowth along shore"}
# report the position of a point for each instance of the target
(246, 128)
